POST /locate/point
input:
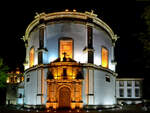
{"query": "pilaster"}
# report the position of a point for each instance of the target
(89, 50)
(90, 86)
(42, 51)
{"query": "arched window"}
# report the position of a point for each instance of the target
(104, 57)
(31, 56)
(66, 46)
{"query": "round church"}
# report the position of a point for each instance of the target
(69, 61)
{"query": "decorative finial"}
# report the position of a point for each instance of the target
(92, 11)
(23, 38)
(116, 37)
(37, 14)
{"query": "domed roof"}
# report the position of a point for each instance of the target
(72, 15)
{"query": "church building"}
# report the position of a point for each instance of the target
(69, 61)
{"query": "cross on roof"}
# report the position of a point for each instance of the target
(64, 53)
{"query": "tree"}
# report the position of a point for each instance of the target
(144, 37)
(3, 74)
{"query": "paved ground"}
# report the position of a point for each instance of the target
(132, 109)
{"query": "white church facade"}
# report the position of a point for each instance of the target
(69, 61)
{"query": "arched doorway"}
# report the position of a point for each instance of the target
(64, 97)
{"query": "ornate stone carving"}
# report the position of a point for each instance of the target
(64, 92)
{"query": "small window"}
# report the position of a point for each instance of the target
(129, 83)
(28, 78)
(15, 81)
(121, 92)
(11, 79)
(20, 95)
(90, 36)
(41, 37)
(137, 83)
(40, 57)
(104, 57)
(129, 92)
(64, 73)
(121, 83)
(137, 92)
(107, 78)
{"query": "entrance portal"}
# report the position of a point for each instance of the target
(64, 97)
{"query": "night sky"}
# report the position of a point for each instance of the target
(123, 18)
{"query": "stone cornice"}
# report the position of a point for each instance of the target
(64, 80)
(42, 50)
(36, 67)
(86, 49)
(82, 65)
(130, 79)
(99, 68)
(69, 14)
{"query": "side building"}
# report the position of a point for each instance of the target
(15, 88)
(129, 90)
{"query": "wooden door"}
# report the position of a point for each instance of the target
(64, 97)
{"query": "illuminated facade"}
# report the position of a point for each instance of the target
(64, 84)
(69, 61)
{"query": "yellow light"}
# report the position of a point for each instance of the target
(18, 80)
(31, 57)
(67, 10)
(55, 77)
(22, 78)
(66, 47)
(17, 72)
(7, 81)
(73, 77)
(74, 10)
(105, 57)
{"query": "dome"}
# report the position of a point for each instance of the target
(72, 15)
(71, 26)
